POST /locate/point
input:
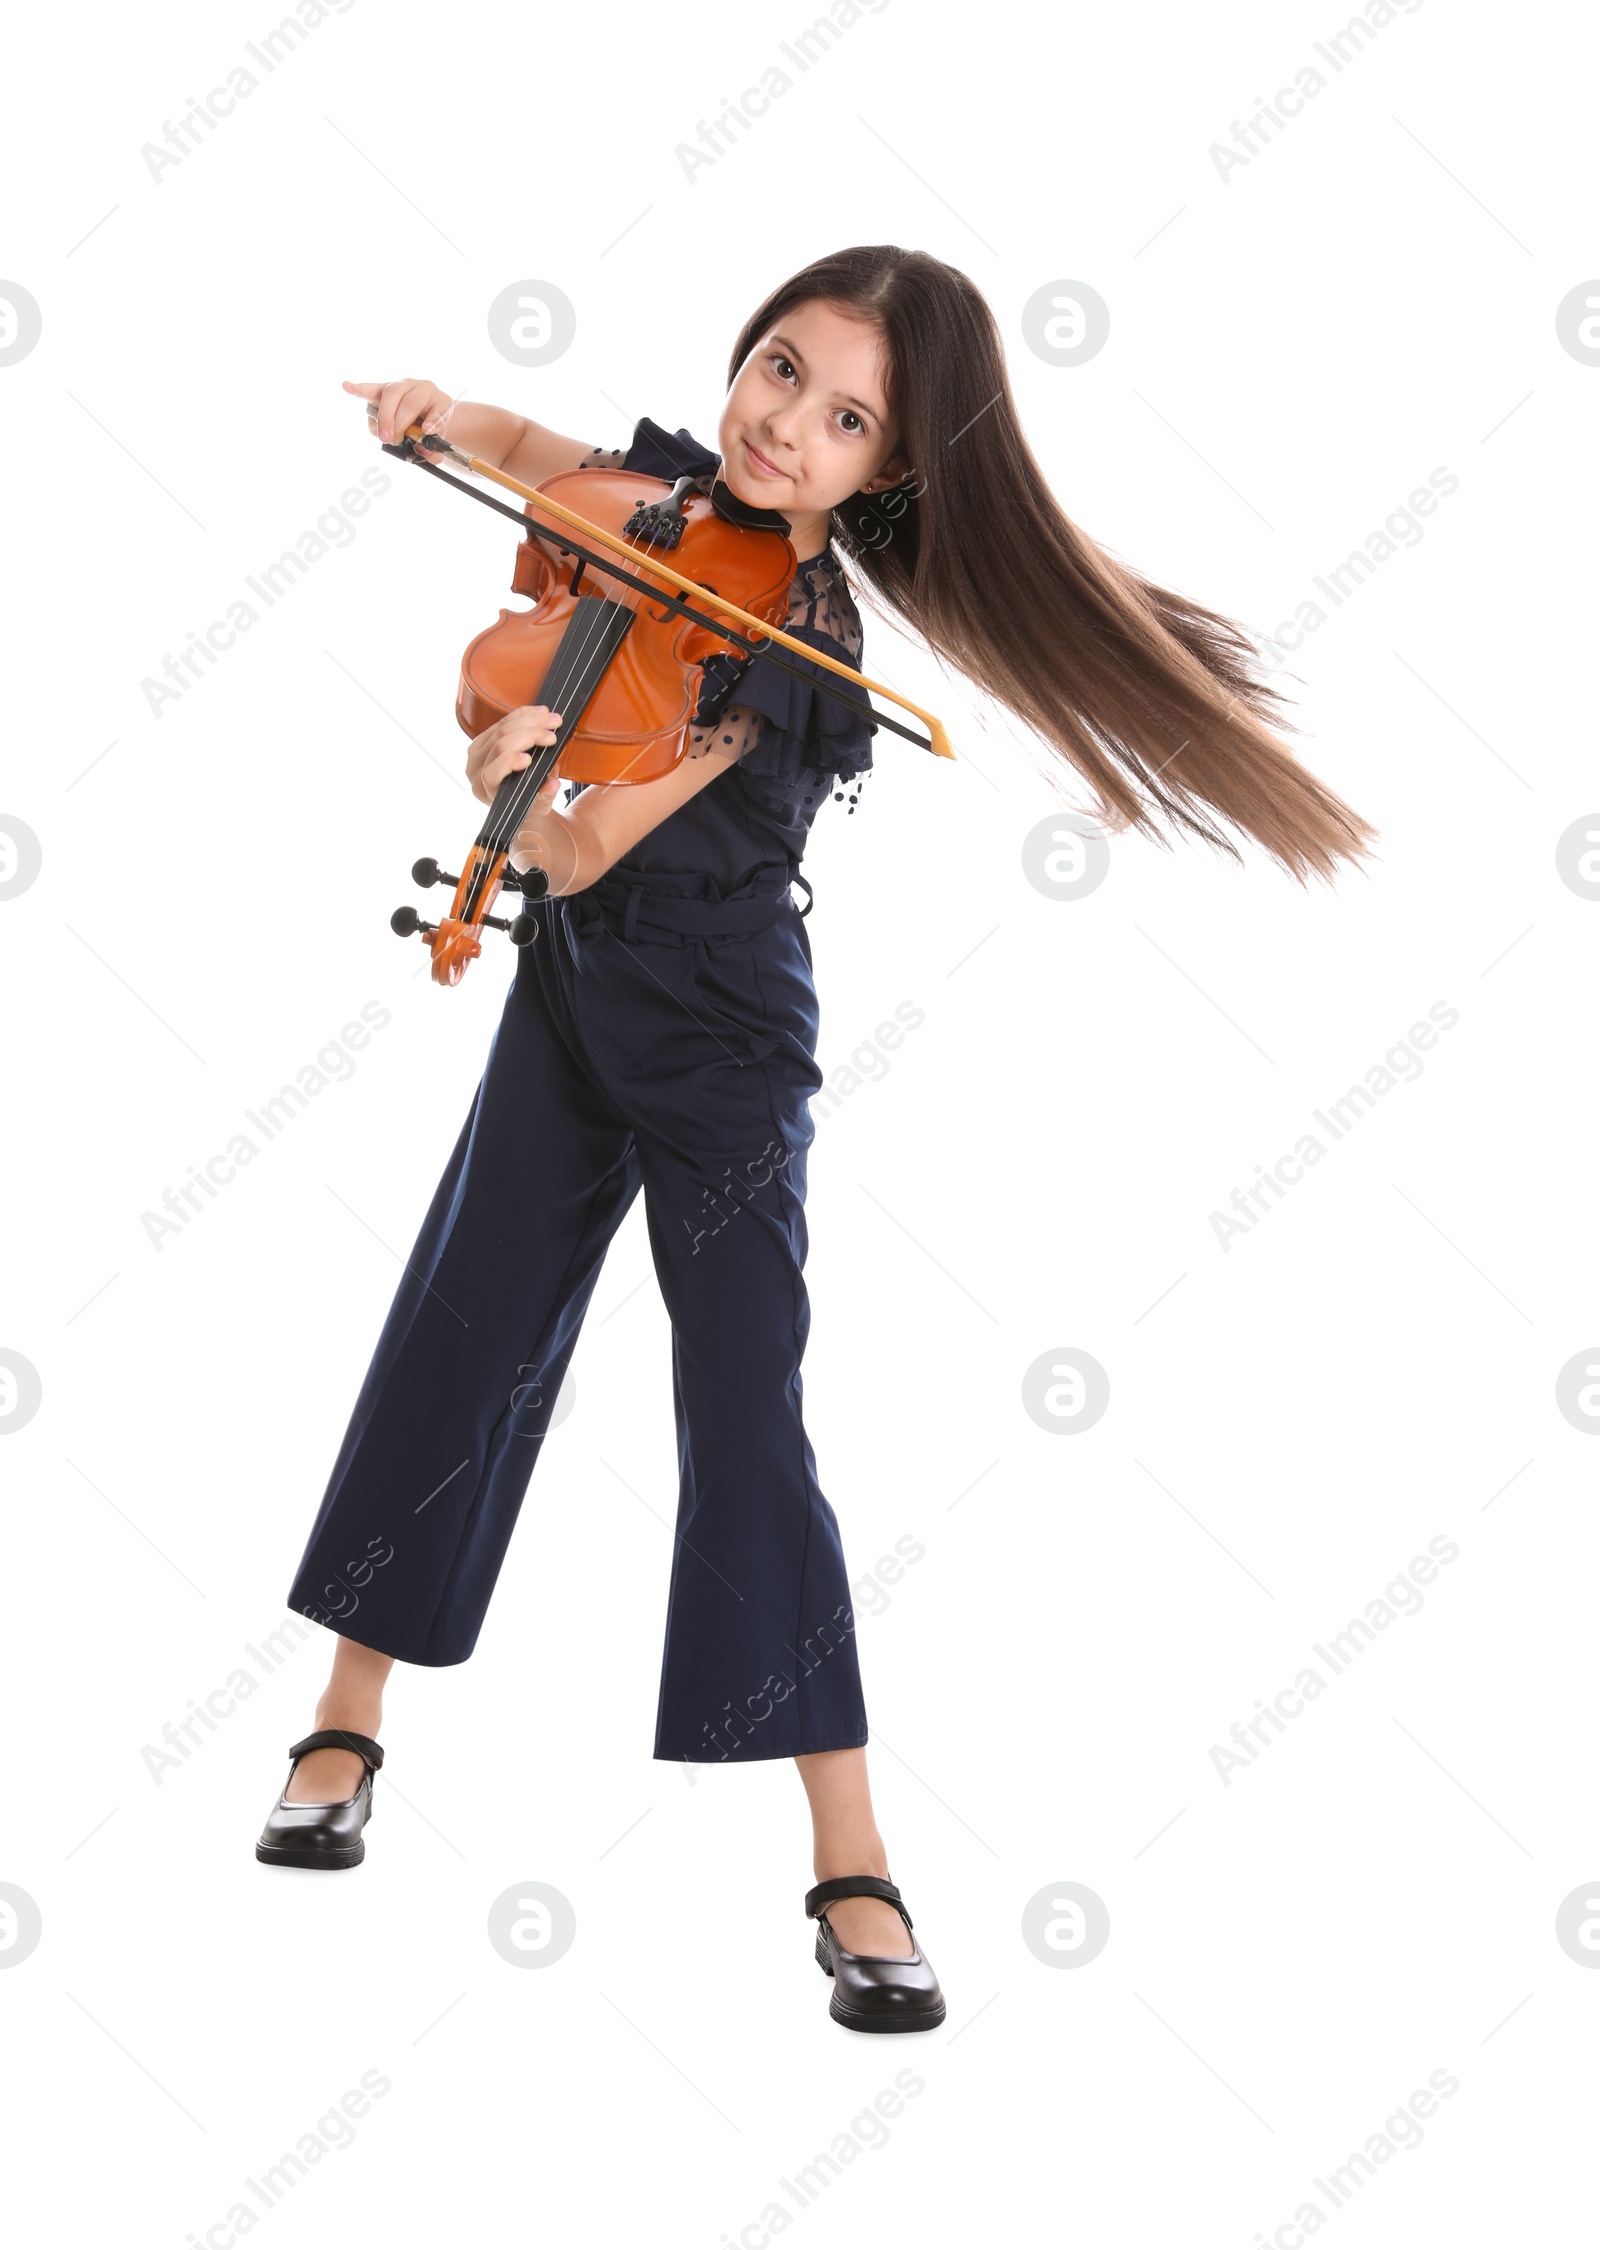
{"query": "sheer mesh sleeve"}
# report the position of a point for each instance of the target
(819, 608)
(794, 737)
(730, 737)
(820, 603)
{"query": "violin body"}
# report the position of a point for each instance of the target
(634, 725)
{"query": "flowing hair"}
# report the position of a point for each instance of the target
(1155, 701)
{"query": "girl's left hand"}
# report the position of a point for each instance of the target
(507, 746)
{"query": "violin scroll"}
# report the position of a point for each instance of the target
(453, 940)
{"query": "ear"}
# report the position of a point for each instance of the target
(894, 471)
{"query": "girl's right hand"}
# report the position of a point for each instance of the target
(505, 748)
(393, 407)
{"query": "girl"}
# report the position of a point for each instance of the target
(661, 1033)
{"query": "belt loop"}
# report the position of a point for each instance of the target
(565, 912)
(630, 919)
(795, 876)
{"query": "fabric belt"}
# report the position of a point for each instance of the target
(678, 909)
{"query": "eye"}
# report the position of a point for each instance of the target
(782, 368)
(854, 417)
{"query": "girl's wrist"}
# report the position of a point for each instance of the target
(490, 432)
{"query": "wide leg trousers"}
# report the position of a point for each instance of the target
(655, 1035)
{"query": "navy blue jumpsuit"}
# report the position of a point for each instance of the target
(659, 1033)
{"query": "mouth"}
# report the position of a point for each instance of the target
(760, 464)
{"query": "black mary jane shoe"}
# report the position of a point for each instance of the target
(322, 1835)
(871, 1992)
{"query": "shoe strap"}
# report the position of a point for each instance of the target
(854, 1886)
(340, 1738)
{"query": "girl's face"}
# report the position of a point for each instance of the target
(807, 422)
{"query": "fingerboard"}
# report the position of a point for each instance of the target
(595, 632)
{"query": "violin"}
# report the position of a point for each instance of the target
(616, 650)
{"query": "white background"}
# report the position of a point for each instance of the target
(1291, 1420)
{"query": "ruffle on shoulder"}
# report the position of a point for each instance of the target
(812, 729)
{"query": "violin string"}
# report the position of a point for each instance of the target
(498, 835)
(573, 685)
(578, 660)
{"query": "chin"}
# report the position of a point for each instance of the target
(742, 488)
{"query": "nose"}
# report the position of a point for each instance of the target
(785, 424)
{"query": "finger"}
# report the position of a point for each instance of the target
(497, 767)
(530, 727)
(503, 761)
(414, 401)
(389, 404)
(396, 411)
(410, 405)
(536, 716)
(495, 770)
(363, 390)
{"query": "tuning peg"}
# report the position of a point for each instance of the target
(425, 873)
(533, 882)
(405, 921)
(524, 929)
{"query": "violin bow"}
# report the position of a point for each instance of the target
(417, 445)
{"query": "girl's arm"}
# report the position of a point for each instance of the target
(523, 449)
(576, 844)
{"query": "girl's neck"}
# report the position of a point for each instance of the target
(809, 536)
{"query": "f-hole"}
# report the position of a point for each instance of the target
(667, 614)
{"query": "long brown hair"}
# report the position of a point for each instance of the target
(1156, 701)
